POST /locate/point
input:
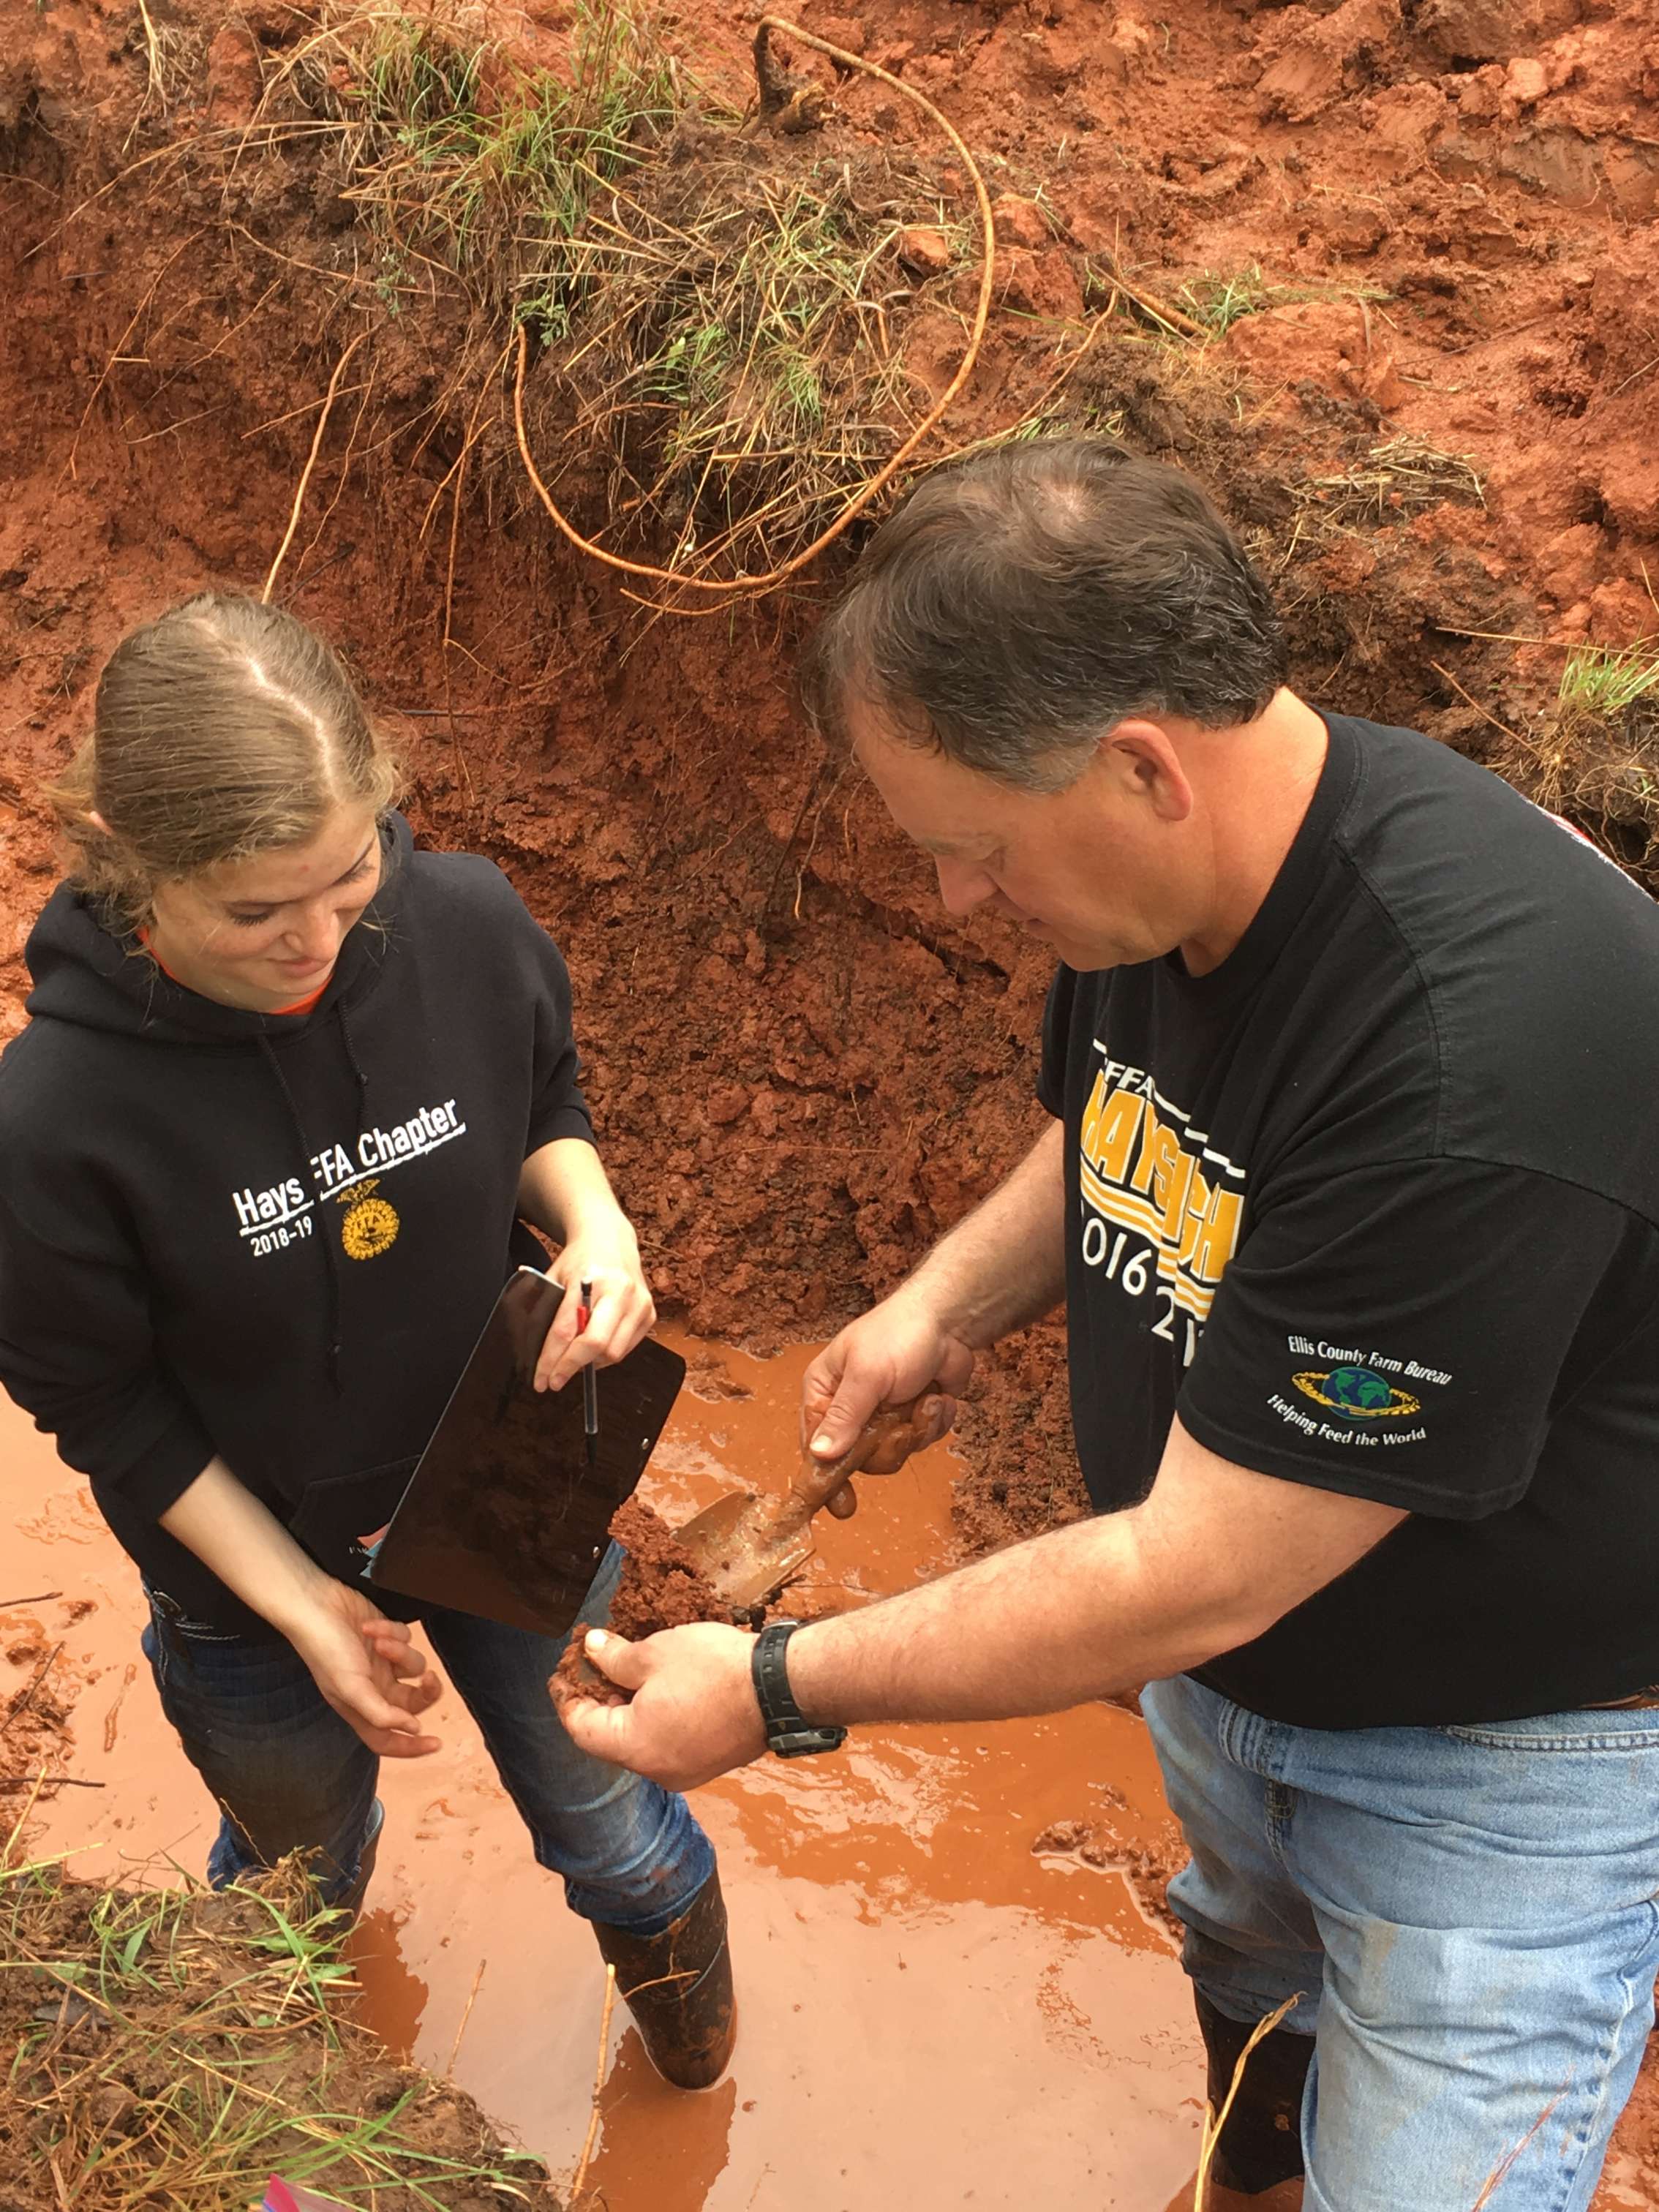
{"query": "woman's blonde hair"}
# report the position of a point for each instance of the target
(223, 728)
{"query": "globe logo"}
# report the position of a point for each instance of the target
(1360, 1393)
(1357, 1389)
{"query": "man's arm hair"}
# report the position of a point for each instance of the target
(1212, 1559)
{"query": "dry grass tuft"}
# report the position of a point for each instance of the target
(1395, 479)
(179, 2047)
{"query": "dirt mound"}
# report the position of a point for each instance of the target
(179, 2047)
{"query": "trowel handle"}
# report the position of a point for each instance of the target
(883, 1443)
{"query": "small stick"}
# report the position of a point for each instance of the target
(50, 1782)
(598, 2085)
(310, 463)
(466, 2015)
(28, 1698)
(44, 1598)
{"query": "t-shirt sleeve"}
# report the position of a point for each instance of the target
(1056, 1037)
(1403, 1333)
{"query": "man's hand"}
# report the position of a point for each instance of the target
(367, 1669)
(622, 1312)
(884, 1357)
(692, 1715)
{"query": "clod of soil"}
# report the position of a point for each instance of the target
(660, 1588)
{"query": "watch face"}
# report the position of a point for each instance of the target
(801, 1742)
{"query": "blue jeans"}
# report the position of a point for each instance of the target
(1469, 1916)
(289, 1774)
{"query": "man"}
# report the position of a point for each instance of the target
(1351, 1196)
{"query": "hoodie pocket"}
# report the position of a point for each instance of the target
(333, 1516)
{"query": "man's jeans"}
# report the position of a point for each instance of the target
(290, 1774)
(1469, 1912)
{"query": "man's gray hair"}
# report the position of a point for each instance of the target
(1020, 604)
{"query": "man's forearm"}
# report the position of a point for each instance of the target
(1004, 1265)
(1210, 1561)
(1049, 1624)
(245, 1546)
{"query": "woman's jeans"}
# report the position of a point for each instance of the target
(1468, 1915)
(290, 1774)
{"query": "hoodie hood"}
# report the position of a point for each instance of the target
(82, 972)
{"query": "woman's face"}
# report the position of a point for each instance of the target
(264, 931)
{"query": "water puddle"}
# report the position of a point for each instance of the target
(930, 2013)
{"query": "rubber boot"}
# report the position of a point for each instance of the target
(1260, 2145)
(678, 1987)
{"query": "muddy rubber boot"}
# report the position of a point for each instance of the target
(678, 1987)
(1261, 2146)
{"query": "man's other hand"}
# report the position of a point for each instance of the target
(888, 1355)
(692, 1714)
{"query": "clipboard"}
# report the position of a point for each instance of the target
(503, 1517)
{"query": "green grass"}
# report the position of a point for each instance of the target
(1218, 300)
(486, 163)
(1598, 679)
(171, 2047)
(724, 329)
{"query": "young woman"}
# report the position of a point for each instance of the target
(289, 1093)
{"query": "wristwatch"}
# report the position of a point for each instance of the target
(788, 1731)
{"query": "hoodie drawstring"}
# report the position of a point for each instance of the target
(354, 1065)
(330, 1264)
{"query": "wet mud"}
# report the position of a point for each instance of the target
(931, 2009)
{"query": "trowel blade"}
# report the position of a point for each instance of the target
(735, 1544)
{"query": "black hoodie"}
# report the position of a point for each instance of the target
(274, 1237)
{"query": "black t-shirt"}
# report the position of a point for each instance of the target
(1372, 1206)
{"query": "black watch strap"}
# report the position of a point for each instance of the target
(788, 1731)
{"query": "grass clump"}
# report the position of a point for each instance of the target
(1595, 759)
(177, 2047)
(1603, 681)
(1217, 300)
(715, 310)
(455, 150)
(727, 348)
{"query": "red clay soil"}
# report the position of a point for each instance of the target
(660, 1588)
(1443, 214)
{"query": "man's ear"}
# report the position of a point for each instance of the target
(1144, 759)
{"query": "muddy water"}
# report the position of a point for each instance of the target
(931, 2014)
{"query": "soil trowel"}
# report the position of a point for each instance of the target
(748, 1548)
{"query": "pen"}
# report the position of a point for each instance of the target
(590, 1384)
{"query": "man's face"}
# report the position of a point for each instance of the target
(1103, 872)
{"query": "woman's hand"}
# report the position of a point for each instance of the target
(622, 1311)
(367, 1668)
(564, 1190)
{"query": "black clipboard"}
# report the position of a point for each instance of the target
(503, 1517)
